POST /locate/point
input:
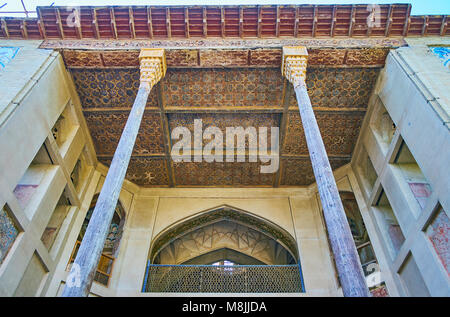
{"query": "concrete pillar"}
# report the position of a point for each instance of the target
(78, 283)
(346, 257)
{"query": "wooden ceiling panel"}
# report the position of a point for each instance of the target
(299, 172)
(219, 88)
(106, 128)
(226, 97)
(109, 88)
(223, 121)
(221, 174)
(145, 171)
(339, 131)
(339, 87)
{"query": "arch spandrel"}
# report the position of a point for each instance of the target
(224, 213)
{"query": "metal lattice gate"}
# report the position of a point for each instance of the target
(223, 279)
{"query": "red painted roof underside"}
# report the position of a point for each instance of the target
(164, 22)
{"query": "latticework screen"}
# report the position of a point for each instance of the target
(223, 279)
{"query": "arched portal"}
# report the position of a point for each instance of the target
(237, 233)
(224, 250)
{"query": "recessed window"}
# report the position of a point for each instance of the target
(392, 231)
(64, 128)
(417, 183)
(438, 231)
(412, 278)
(59, 214)
(80, 172)
(33, 176)
(367, 171)
(382, 126)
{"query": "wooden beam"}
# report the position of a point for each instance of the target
(333, 21)
(23, 26)
(259, 21)
(205, 23)
(389, 20)
(113, 22)
(425, 25)
(5, 28)
(407, 20)
(277, 23)
(41, 23)
(314, 22)
(78, 26)
(352, 21)
(132, 28)
(345, 254)
(370, 25)
(297, 20)
(82, 273)
(168, 24)
(186, 23)
(443, 25)
(241, 22)
(97, 31)
(59, 23)
(149, 19)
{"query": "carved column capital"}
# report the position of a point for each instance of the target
(294, 64)
(152, 65)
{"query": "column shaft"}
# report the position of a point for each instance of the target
(83, 270)
(346, 257)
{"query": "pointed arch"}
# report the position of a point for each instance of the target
(215, 219)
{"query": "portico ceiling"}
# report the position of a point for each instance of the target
(224, 68)
(224, 90)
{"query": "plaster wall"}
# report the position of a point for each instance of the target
(413, 90)
(39, 89)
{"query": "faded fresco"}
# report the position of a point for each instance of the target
(8, 233)
(438, 233)
(6, 55)
(443, 52)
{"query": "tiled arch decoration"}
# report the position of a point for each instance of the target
(224, 213)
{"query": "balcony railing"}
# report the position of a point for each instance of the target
(223, 279)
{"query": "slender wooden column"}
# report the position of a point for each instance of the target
(79, 281)
(347, 260)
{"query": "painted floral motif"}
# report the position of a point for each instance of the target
(6, 55)
(8, 233)
(443, 53)
(438, 232)
(23, 193)
(380, 291)
(421, 192)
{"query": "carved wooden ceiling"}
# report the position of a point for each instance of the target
(264, 21)
(225, 88)
(224, 68)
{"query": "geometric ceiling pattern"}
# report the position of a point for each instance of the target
(223, 67)
(224, 97)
